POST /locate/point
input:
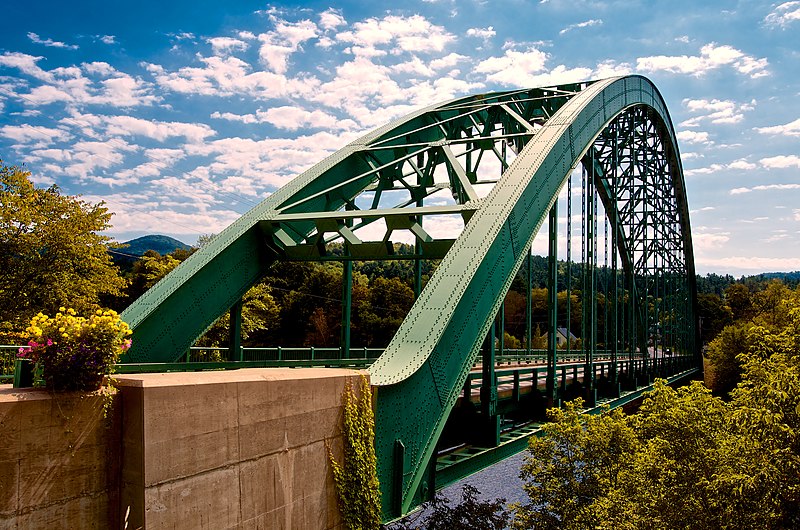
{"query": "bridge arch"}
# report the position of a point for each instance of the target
(429, 358)
(618, 129)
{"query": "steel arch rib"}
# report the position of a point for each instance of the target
(424, 367)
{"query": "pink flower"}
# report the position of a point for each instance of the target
(49, 342)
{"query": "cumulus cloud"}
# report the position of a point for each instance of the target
(788, 129)
(291, 118)
(286, 39)
(528, 68)
(783, 15)
(331, 19)
(781, 162)
(94, 83)
(694, 137)
(223, 45)
(227, 76)
(34, 136)
(414, 34)
(482, 33)
(715, 111)
(50, 42)
(712, 56)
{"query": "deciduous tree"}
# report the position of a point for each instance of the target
(52, 251)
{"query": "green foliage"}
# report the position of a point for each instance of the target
(723, 353)
(687, 459)
(259, 315)
(51, 251)
(468, 514)
(575, 460)
(714, 315)
(356, 477)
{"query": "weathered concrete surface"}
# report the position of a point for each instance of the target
(59, 461)
(237, 449)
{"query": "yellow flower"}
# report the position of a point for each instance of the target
(62, 309)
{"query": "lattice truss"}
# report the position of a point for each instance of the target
(640, 183)
(439, 165)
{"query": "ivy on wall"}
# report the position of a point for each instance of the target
(356, 477)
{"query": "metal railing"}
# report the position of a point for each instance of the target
(200, 358)
(8, 356)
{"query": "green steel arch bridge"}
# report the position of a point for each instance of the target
(495, 166)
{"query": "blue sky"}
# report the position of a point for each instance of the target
(183, 115)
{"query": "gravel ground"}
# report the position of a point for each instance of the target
(499, 480)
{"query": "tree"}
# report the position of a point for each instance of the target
(738, 299)
(52, 252)
(714, 314)
(468, 514)
(687, 459)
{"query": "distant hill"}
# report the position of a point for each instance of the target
(161, 244)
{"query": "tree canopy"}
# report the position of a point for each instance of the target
(687, 459)
(52, 251)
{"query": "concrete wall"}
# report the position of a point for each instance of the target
(236, 449)
(59, 461)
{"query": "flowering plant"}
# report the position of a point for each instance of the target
(74, 352)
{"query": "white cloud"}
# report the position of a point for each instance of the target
(413, 66)
(712, 56)
(704, 239)
(26, 64)
(278, 45)
(611, 68)
(585, 24)
(34, 136)
(104, 86)
(159, 161)
(748, 263)
(50, 42)
(357, 82)
(528, 68)
(742, 164)
(448, 61)
(413, 34)
(331, 19)
(271, 162)
(766, 187)
(84, 157)
(781, 162)
(223, 45)
(694, 137)
(783, 15)
(107, 39)
(227, 76)
(103, 127)
(789, 129)
(291, 118)
(482, 33)
(715, 111)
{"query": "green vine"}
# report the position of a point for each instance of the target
(356, 478)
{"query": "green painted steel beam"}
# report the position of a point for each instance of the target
(432, 352)
(537, 137)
